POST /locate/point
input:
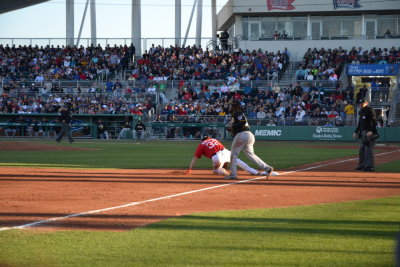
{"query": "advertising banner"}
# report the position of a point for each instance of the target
(373, 70)
(280, 4)
(346, 4)
(318, 133)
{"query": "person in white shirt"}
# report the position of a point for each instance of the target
(246, 78)
(299, 116)
(310, 77)
(39, 78)
(151, 90)
(261, 114)
(224, 89)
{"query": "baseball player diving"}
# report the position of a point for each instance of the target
(220, 156)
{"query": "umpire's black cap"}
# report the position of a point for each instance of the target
(361, 101)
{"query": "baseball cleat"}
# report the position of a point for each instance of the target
(230, 177)
(268, 171)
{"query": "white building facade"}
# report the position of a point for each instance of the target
(303, 24)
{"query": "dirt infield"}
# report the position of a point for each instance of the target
(34, 194)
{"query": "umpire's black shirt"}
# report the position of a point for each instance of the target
(367, 120)
(65, 116)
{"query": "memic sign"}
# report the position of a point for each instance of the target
(268, 132)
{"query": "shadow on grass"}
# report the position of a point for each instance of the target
(330, 227)
(118, 222)
(291, 250)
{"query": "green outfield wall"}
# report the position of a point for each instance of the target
(281, 133)
(319, 133)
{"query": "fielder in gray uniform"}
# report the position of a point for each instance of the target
(243, 140)
(366, 133)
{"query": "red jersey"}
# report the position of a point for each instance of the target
(208, 148)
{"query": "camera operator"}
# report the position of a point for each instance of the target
(223, 38)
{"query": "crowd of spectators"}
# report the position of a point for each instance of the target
(39, 64)
(305, 103)
(34, 63)
(326, 64)
(195, 63)
(302, 104)
(79, 104)
(308, 102)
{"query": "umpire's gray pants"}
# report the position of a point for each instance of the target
(366, 151)
(65, 128)
(244, 140)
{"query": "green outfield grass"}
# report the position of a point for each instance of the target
(168, 154)
(360, 233)
(393, 166)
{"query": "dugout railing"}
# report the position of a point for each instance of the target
(83, 125)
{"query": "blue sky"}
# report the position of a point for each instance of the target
(47, 20)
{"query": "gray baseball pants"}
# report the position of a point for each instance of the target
(366, 151)
(244, 141)
(65, 128)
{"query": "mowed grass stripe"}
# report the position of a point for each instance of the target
(164, 154)
(360, 233)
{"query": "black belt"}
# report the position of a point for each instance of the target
(216, 152)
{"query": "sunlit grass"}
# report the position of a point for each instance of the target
(360, 233)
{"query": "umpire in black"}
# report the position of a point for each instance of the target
(366, 133)
(65, 119)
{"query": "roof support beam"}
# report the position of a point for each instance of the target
(136, 26)
(93, 21)
(178, 21)
(70, 22)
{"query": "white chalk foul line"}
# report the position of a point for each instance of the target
(172, 196)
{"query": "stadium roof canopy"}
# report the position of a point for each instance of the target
(7, 6)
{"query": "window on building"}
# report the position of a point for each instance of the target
(331, 26)
(245, 24)
(284, 24)
(267, 27)
(351, 26)
(299, 27)
(386, 22)
(254, 28)
(398, 25)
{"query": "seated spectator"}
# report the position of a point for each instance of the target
(101, 130)
(299, 117)
(387, 34)
(271, 123)
(11, 130)
(126, 128)
(276, 35)
(140, 130)
(152, 89)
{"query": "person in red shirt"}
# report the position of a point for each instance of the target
(220, 156)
